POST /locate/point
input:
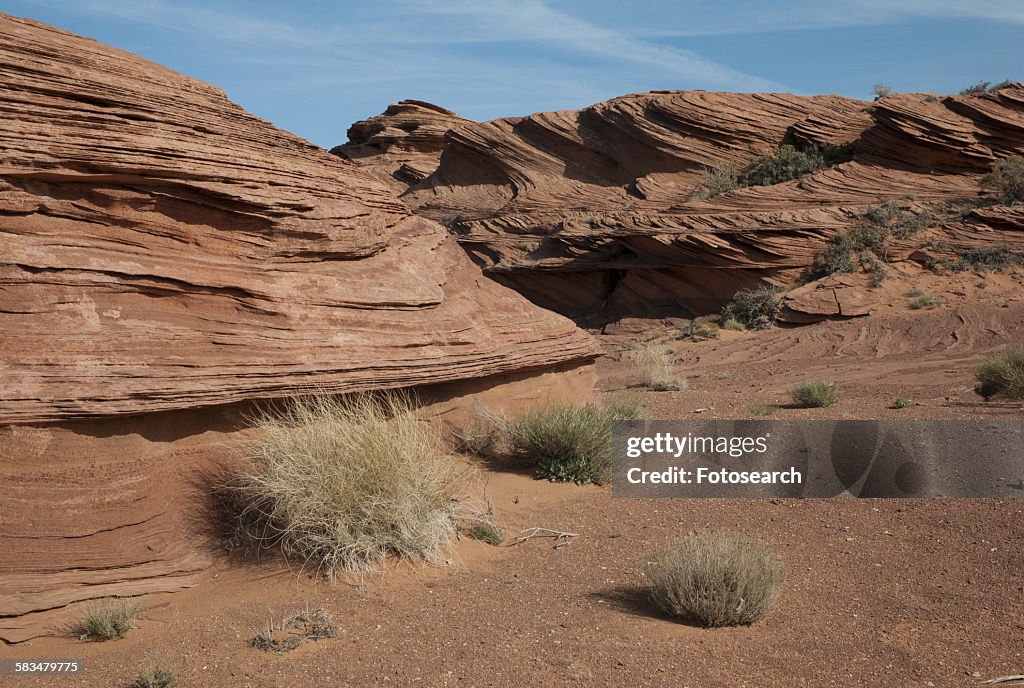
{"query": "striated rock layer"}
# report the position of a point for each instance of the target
(161, 250)
(594, 212)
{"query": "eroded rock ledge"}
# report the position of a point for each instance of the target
(592, 212)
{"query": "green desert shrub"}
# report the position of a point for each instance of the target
(719, 180)
(1007, 177)
(991, 259)
(756, 308)
(716, 578)
(565, 442)
(787, 163)
(814, 393)
(156, 677)
(653, 362)
(995, 88)
(1001, 374)
(344, 482)
(485, 531)
(880, 222)
(901, 403)
(107, 619)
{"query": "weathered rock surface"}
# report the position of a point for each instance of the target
(165, 253)
(593, 212)
(402, 145)
(842, 295)
(163, 249)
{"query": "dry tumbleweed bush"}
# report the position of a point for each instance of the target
(344, 482)
(716, 578)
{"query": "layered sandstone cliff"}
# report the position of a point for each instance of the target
(166, 257)
(595, 212)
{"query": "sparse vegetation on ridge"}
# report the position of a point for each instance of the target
(1007, 177)
(344, 482)
(814, 393)
(881, 90)
(984, 87)
(1001, 374)
(870, 241)
(992, 259)
(786, 164)
(107, 619)
(716, 578)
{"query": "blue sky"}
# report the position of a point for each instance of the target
(315, 66)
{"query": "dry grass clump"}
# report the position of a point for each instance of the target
(156, 677)
(653, 362)
(814, 393)
(344, 482)
(923, 302)
(292, 631)
(107, 619)
(716, 578)
(1002, 374)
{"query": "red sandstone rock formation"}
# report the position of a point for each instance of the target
(592, 212)
(402, 145)
(163, 250)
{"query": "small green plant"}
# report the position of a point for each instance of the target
(923, 302)
(156, 677)
(343, 482)
(900, 403)
(982, 285)
(814, 393)
(1001, 374)
(716, 578)
(485, 531)
(107, 619)
(761, 409)
(913, 293)
(719, 180)
(881, 90)
(565, 442)
(1007, 177)
(292, 631)
(653, 362)
(731, 324)
(754, 308)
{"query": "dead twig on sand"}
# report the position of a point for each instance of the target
(1003, 679)
(561, 537)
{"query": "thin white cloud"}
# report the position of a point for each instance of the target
(451, 23)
